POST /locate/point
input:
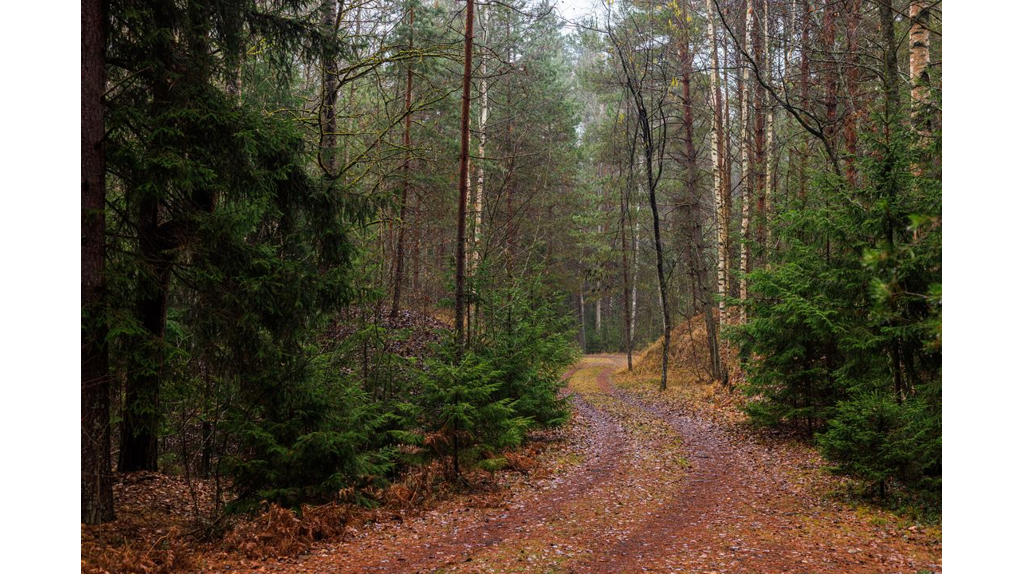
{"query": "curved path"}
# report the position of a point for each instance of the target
(655, 491)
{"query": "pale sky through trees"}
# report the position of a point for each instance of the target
(574, 10)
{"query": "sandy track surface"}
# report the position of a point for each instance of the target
(655, 489)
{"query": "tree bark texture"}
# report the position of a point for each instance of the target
(460, 236)
(920, 60)
(403, 211)
(97, 482)
(745, 162)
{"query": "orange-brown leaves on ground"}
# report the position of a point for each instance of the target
(638, 480)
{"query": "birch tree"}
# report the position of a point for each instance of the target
(721, 196)
(745, 161)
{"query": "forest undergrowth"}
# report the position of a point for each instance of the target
(172, 524)
(692, 389)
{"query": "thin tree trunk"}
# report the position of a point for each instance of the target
(416, 231)
(328, 115)
(97, 482)
(852, 85)
(636, 270)
(460, 236)
(890, 73)
(717, 136)
(920, 60)
(828, 35)
(805, 91)
(141, 414)
(758, 104)
(647, 137)
(478, 208)
(695, 235)
(141, 419)
(627, 326)
(404, 199)
(764, 232)
(659, 251)
(745, 161)
(583, 321)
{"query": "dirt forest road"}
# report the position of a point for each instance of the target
(647, 488)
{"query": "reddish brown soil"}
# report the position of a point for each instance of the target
(646, 486)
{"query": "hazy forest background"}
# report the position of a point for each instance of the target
(340, 259)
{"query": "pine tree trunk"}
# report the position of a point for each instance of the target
(403, 210)
(805, 91)
(583, 321)
(97, 483)
(890, 73)
(694, 240)
(627, 327)
(141, 416)
(460, 236)
(141, 420)
(328, 115)
(920, 60)
(828, 35)
(769, 149)
(852, 85)
(759, 104)
(636, 271)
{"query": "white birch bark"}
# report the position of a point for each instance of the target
(478, 204)
(716, 164)
(747, 180)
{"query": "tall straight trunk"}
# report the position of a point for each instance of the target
(460, 236)
(416, 232)
(717, 137)
(920, 60)
(478, 207)
(694, 239)
(583, 321)
(328, 114)
(828, 36)
(852, 83)
(745, 161)
(721, 193)
(727, 158)
(890, 73)
(353, 117)
(636, 270)
(141, 420)
(627, 327)
(403, 210)
(97, 483)
(769, 161)
(157, 242)
(758, 105)
(805, 91)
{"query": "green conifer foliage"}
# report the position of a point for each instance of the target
(844, 339)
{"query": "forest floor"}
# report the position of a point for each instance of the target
(645, 482)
